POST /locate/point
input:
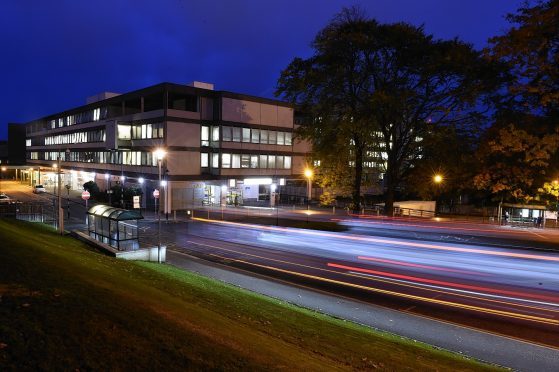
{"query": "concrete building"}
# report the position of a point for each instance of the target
(221, 147)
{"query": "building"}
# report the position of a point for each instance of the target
(16, 144)
(221, 147)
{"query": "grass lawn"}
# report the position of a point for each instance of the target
(65, 307)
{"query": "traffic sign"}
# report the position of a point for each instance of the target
(156, 194)
(85, 195)
(136, 200)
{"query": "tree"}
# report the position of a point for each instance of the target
(531, 50)
(514, 162)
(375, 87)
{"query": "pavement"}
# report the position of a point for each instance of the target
(495, 349)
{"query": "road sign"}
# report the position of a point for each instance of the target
(85, 195)
(136, 200)
(156, 194)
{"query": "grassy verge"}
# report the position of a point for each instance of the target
(64, 307)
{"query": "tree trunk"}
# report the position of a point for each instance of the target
(356, 192)
(389, 195)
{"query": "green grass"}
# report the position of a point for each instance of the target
(65, 307)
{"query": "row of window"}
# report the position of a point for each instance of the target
(140, 131)
(76, 137)
(247, 135)
(145, 158)
(239, 161)
(82, 117)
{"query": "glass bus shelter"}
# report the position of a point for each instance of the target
(114, 226)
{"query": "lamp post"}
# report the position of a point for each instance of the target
(2, 177)
(159, 155)
(59, 194)
(437, 179)
(308, 175)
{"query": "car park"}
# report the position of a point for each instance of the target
(38, 189)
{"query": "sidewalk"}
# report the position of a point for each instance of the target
(491, 348)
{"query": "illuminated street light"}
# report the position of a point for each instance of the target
(308, 174)
(437, 178)
(159, 155)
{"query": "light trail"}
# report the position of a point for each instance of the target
(443, 283)
(383, 280)
(385, 241)
(503, 313)
(435, 268)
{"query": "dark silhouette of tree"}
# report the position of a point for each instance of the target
(372, 86)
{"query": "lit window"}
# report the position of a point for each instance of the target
(288, 138)
(204, 160)
(236, 134)
(28, 142)
(254, 161)
(226, 160)
(245, 161)
(96, 114)
(215, 160)
(263, 161)
(246, 135)
(271, 161)
(279, 162)
(255, 136)
(205, 135)
(272, 137)
(281, 138)
(236, 161)
(226, 133)
(263, 136)
(287, 162)
(215, 133)
(124, 132)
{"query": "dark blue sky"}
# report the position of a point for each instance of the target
(56, 53)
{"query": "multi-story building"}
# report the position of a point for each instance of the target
(220, 146)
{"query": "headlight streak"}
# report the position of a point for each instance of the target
(393, 293)
(435, 268)
(408, 296)
(386, 241)
(438, 282)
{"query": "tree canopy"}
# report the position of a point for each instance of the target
(372, 87)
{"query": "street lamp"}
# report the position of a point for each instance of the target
(159, 155)
(2, 177)
(437, 179)
(308, 174)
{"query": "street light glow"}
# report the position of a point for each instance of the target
(308, 173)
(141, 180)
(437, 178)
(159, 154)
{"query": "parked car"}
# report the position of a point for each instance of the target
(39, 189)
(5, 199)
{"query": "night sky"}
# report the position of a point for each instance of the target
(56, 53)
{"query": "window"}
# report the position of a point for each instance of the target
(279, 162)
(245, 161)
(236, 161)
(28, 142)
(96, 114)
(205, 135)
(215, 133)
(272, 137)
(255, 136)
(226, 133)
(236, 134)
(204, 160)
(264, 136)
(271, 161)
(124, 132)
(288, 138)
(254, 161)
(60, 123)
(184, 102)
(226, 160)
(246, 135)
(281, 138)
(287, 162)
(263, 161)
(215, 160)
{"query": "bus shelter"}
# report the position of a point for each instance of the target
(114, 226)
(526, 215)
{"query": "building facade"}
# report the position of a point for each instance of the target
(221, 147)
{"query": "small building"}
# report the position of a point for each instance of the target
(522, 214)
(114, 226)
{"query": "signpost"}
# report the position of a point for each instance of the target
(85, 196)
(136, 200)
